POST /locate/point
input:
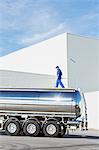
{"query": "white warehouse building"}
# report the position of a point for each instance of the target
(35, 66)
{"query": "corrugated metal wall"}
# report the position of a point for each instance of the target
(13, 79)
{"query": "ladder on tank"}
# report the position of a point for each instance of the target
(85, 121)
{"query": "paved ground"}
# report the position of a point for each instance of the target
(83, 140)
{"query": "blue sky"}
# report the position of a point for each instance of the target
(26, 22)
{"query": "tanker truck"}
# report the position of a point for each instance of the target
(34, 111)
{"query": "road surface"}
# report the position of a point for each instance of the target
(78, 140)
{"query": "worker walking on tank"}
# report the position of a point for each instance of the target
(59, 77)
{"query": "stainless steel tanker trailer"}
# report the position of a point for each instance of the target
(51, 112)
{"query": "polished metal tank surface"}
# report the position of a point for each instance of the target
(38, 108)
(39, 100)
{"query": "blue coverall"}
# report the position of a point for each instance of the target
(59, 74)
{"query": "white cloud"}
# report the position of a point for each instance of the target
(41, 36)
(19, 15)
(26, 22)
(10, 13)
(87, 24)
(32, 22)
(1, 50)
(90, 16)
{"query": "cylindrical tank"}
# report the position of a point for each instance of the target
(40, 100)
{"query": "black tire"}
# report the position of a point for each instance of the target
(31, 128)
(62, 130)
(12, 127)
(55, 129)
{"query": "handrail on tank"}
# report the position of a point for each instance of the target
(40, 89)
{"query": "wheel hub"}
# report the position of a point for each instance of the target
(11, 127)
(51, 129)
(31, 128)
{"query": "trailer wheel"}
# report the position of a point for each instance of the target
(51, 129)
(62, 130)
(31, 128)
(12, 127)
